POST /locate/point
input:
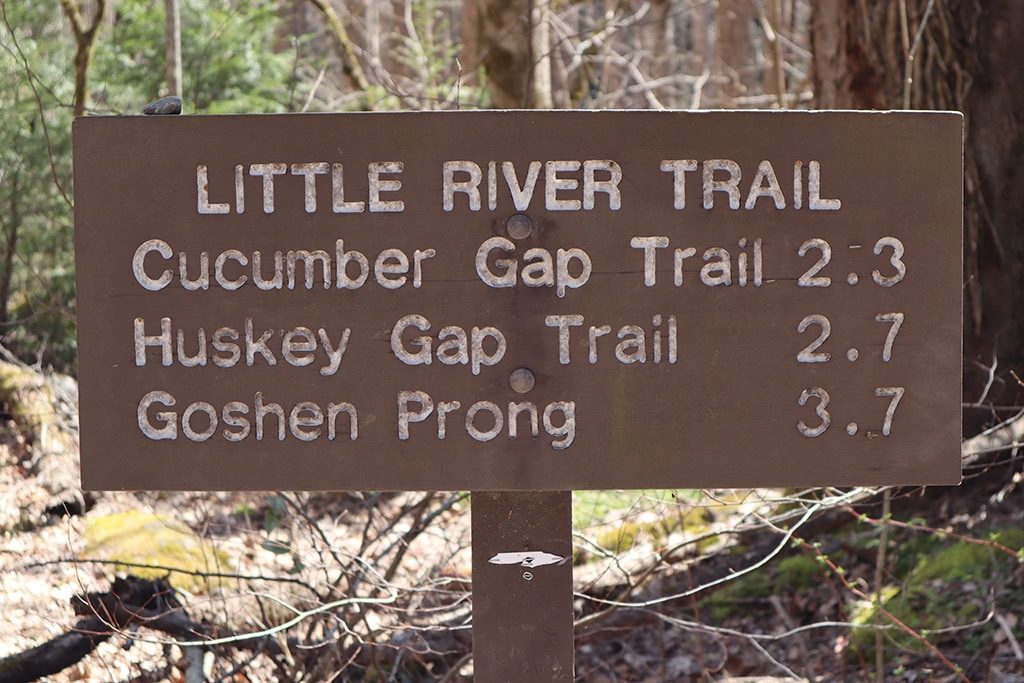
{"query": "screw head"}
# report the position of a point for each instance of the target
(521, 380)
(519, 226)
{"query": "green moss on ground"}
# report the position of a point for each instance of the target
(789, 575)
(797, 573)
(731, 598)
(941, 589)
(1012, 538)
(590, 508)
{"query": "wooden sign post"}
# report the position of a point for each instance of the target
(522, 302)
(522, 609)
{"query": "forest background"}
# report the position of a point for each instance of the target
(824, 584)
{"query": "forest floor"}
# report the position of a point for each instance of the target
(953, 602)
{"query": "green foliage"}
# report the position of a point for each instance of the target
(732, 597)
(234, 60)
(238, 56)
(957, 562)
(429, 56)
(791, 574)
(1012, 538)
(226, 64)
(35, 219)
(797, 572)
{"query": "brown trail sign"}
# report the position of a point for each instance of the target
(519, 301)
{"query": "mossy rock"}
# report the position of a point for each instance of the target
(908, 554)
(27, 398)
(593, 508)
(621, 538)
(144, 538)
(923, 612)
(625, 535)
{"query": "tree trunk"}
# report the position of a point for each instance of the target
(657, 35)
(85, 39)
(734, 49)
(350, 65)
(11, 247)
(540, 55)
(83, 55)
(970, 58)
(55, 655)
(172, 25)
(513, 47)
(469, 53)
(373, 32)
(775, 77)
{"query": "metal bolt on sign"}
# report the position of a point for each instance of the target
(521, 380)
(519, 226)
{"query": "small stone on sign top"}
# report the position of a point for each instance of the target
(169, 105)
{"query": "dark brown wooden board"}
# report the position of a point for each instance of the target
(522, 609)
(725, 414)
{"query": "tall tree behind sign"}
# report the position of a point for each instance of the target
(949, 54)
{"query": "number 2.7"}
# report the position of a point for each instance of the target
(897, 320)
(810, 353)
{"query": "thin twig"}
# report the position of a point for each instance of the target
(908, 73)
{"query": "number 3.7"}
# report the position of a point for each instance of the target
(896, 393)
(821, 410)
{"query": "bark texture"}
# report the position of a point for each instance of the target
(172, 33)
(350, 65)
(734, 52)
(965, 55)
(513, 43)
(85, 39)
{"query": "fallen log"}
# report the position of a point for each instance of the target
(131, 603)
(54, 655)
(1002, 437)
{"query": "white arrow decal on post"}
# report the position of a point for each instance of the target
(530, 558)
